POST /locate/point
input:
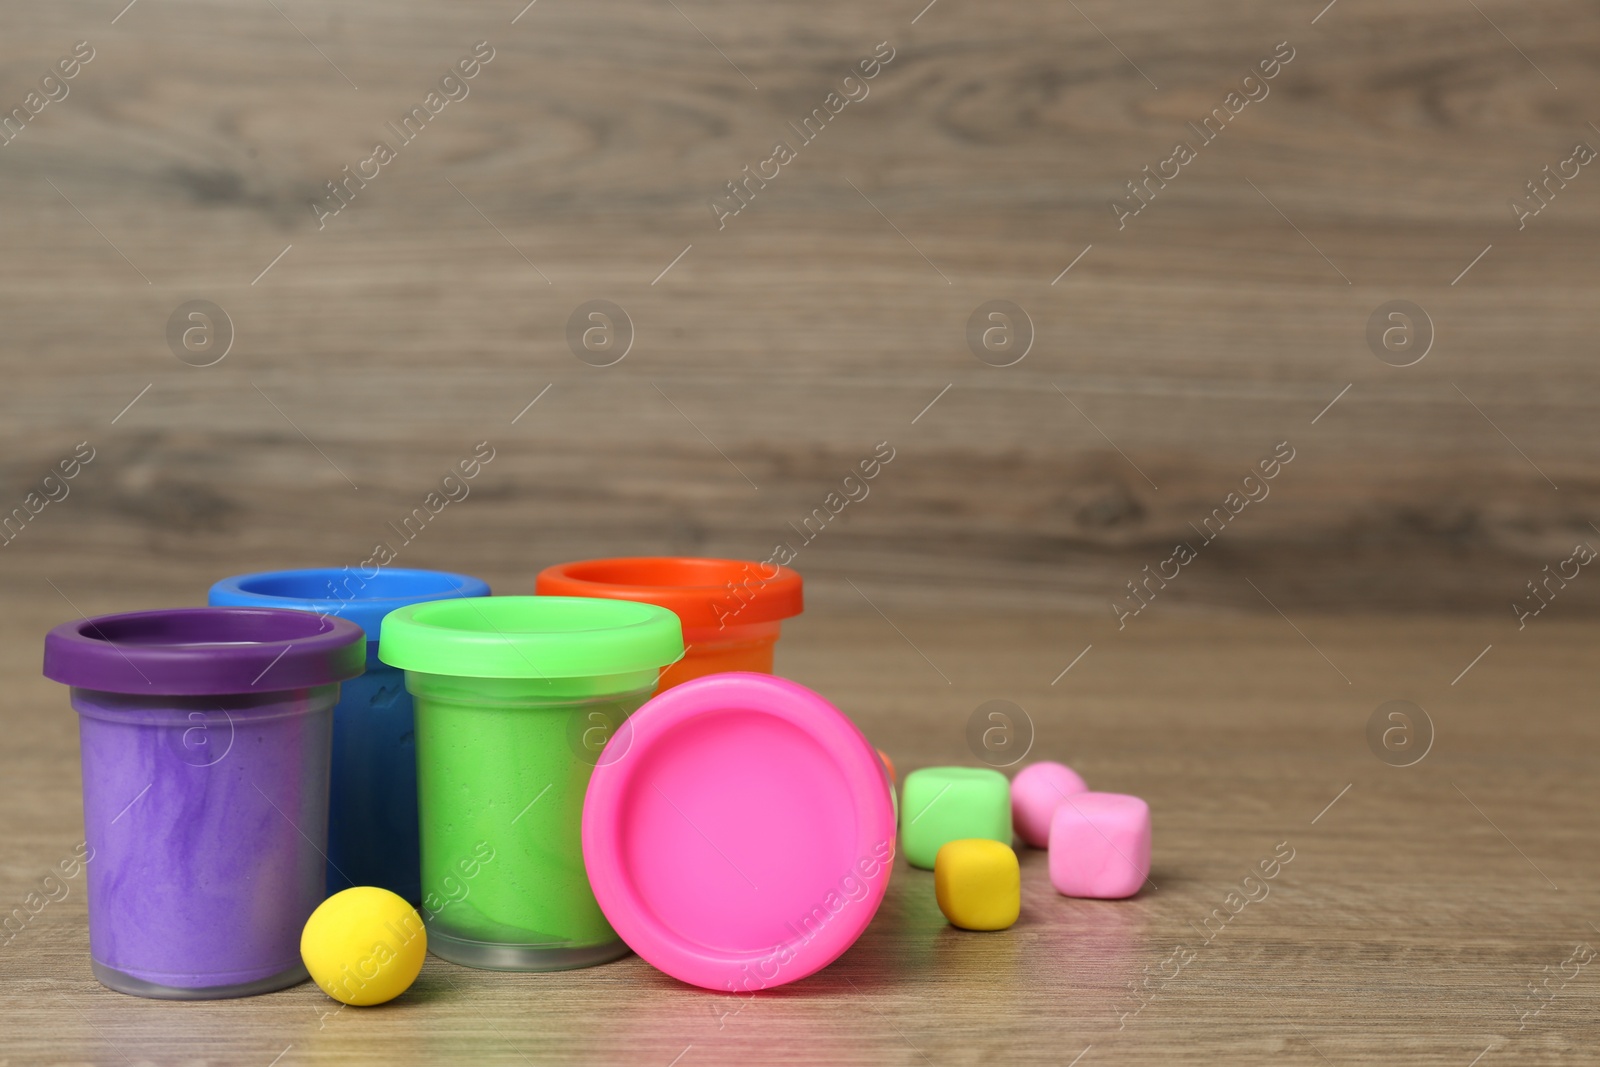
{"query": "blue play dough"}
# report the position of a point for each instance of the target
(372, 824)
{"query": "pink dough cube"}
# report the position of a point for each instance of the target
(1035, 794)
(1100, 846)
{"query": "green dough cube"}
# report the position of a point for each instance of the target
(943, 804)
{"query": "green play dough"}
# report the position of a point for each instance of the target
(942, 804)
(516, 699)
(501, 787)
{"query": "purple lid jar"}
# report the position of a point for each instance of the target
(205, 737)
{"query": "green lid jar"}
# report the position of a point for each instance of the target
(516, 698)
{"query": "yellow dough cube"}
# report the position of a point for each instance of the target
(978, 884)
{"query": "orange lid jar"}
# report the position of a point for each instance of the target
(731, 609)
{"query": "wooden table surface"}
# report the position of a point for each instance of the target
(1420, 905)
(1430, 914)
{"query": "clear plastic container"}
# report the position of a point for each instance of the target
(205, 736)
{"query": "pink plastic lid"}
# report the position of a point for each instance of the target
(738, 832)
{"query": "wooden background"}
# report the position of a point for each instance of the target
(772, 357)
(808, 330)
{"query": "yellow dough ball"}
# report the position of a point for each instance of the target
(364, 945)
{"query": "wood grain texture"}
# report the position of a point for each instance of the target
(424, 317)
(1415, 913)
(770, 359)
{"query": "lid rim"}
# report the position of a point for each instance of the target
(284, 653)
(365, 611)
(742, 592)
(686, 954)
(490, 637)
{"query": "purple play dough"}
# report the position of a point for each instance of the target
(206, 735)
(206, 817)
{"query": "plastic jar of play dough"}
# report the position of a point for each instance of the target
(205, 735)
(732, 610)
(516, 699)
(372, 824)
